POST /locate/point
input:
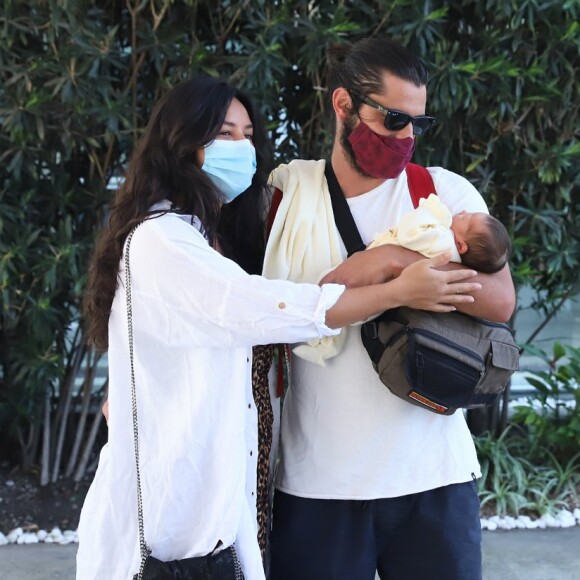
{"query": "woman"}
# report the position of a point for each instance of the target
(195, 317)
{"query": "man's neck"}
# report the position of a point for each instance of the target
(351, 182)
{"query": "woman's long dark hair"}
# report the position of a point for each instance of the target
(241, 227)
(163, 166)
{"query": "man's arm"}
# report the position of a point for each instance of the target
(497, 298)
(495, 301)
(373, 266)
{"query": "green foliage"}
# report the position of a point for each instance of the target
(78, 79)
(515, 482)
(552, 416)
(56, 150)
(504, 479)
(534, 465)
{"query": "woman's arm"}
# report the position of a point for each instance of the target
(421, 285)
(193, 296)
(495, 301)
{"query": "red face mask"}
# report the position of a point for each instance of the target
(380, 156)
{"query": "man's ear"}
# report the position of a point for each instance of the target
(341, 103)
(461, 246)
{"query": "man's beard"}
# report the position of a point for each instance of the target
(347, 128)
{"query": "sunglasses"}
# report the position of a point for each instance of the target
(397, 120)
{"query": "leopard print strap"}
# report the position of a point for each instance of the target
(261, 363)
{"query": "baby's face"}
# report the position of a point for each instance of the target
(465, 223)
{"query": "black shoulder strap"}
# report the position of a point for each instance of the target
(342, 214)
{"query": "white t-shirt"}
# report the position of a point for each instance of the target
(196, 316)
(344, 435)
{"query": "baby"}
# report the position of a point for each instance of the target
(477, 240)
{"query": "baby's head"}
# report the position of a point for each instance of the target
(482, 241)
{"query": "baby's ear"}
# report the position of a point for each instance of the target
(461, 246)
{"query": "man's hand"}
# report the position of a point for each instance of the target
(373, 266)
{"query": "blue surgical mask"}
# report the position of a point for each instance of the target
(230, 165)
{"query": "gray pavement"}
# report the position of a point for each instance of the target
(552, 554)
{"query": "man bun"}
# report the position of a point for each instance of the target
(337, 53)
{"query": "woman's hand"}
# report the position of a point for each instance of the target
(423, 287)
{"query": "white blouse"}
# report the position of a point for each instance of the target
(196, 316)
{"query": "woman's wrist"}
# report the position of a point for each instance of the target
(393, 291)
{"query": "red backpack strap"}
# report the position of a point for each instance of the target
(276, 201)
(283, 350)
(420, 182)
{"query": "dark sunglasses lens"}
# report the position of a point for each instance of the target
(395, 121)
(422, 124)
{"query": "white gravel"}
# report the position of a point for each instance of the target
(563, 519)
(55, 536)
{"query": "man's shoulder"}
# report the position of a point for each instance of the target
(445, 175)
(456, 191)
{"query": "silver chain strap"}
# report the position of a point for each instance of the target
(237, 565)
(145, 551)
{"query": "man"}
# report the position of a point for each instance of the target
(366, 481)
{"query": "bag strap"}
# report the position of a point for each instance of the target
(420, 182)
(342, 214)
(144, 550)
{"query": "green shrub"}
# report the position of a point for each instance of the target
(514, 482)
(552, 415)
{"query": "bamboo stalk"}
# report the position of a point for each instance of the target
(85, 408)
(65, 405)
(45, 464)
(82, 466)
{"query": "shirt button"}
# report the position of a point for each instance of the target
(281, 305)
(251, 453)
(249, 405)
(247, 360)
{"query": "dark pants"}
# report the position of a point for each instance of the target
(434, 535)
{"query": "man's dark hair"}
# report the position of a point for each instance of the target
(359, 67)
